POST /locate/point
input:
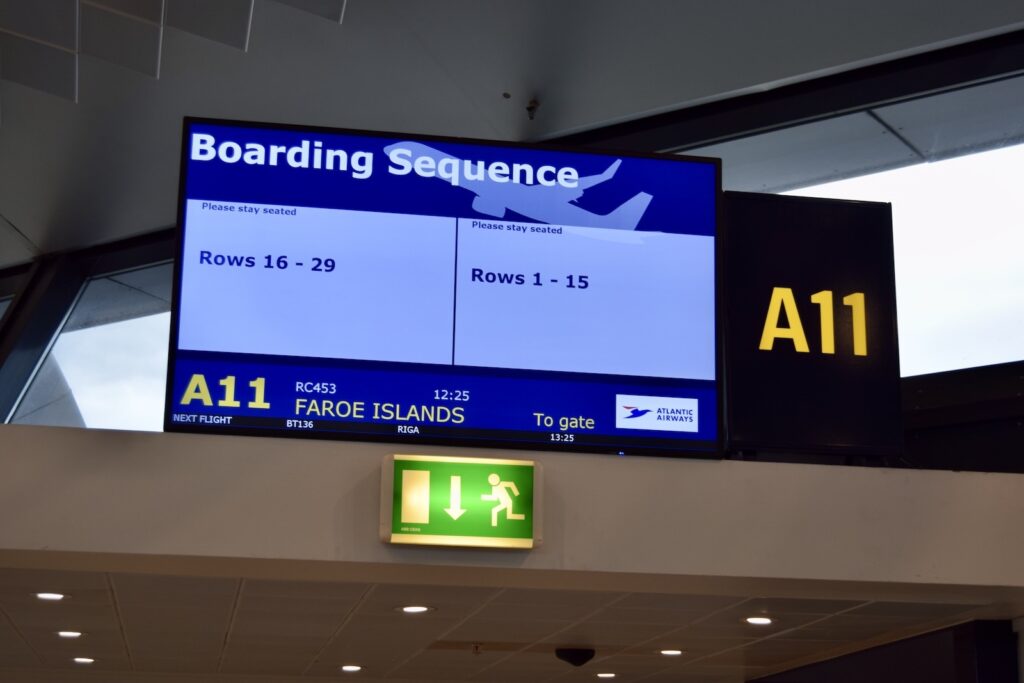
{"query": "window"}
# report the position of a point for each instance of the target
(107, 367)
(958, 224)
(958, 232)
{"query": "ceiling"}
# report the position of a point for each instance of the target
(142, 627)
(92, 92)
(949, 124)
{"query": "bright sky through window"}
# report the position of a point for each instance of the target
(117, 372)
(958, 228)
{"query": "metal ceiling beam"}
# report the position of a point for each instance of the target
(852, 91)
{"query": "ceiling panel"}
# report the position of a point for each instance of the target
(219, 630)
(68, 663)
(609, 635)
(175, 664)
(14, 249)
(910, 610)
(733, 627)
(12, 643)
(852, 628)
(537, 611)
(581, 599)
(693, 645)
(695, 677)
(971, 119)
(295, 622)
(449, 600)
(224, 21)
(263, 607)
(150, 10)
(770, 652)
(382, 641)
(103, 641)
(380, 650)
(712, 674)
(41, 67)
(547, 604)
(778, 606)
(508, 629)
(523, 666)
(732, 622)
(294, 646)
(121, 40)
(80, 616)
(22, 584)
(808, 154)
(626, 670)
(163, 618)
(17, 659)
(313, 590)
(333, 10)
(140, 589)
(680, 603)
(264, 663)
(648, 616)
(158, 630)
(49, 21)
(447, 665)
(162, 642)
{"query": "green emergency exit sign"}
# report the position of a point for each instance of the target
(475, 502)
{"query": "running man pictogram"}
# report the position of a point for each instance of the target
(500, 493)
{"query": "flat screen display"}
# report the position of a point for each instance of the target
(415, 289)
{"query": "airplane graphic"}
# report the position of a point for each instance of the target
(635, 412)
(546, 204)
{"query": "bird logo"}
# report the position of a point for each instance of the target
(635, 412)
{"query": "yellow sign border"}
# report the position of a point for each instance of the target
(467, 541)
(457, 458)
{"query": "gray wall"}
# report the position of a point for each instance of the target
(640, 523)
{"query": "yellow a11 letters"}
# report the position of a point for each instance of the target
(783, 299)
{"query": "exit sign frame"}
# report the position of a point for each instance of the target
(463, 502)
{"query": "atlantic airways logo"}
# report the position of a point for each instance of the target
(660, 413)
(635, 412)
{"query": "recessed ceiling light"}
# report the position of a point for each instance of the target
(50, 596)
(671, 653)
(84, 660)
(351, 668)
(69, 634)
(416, 609)
(759, 621)
(606, 675)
